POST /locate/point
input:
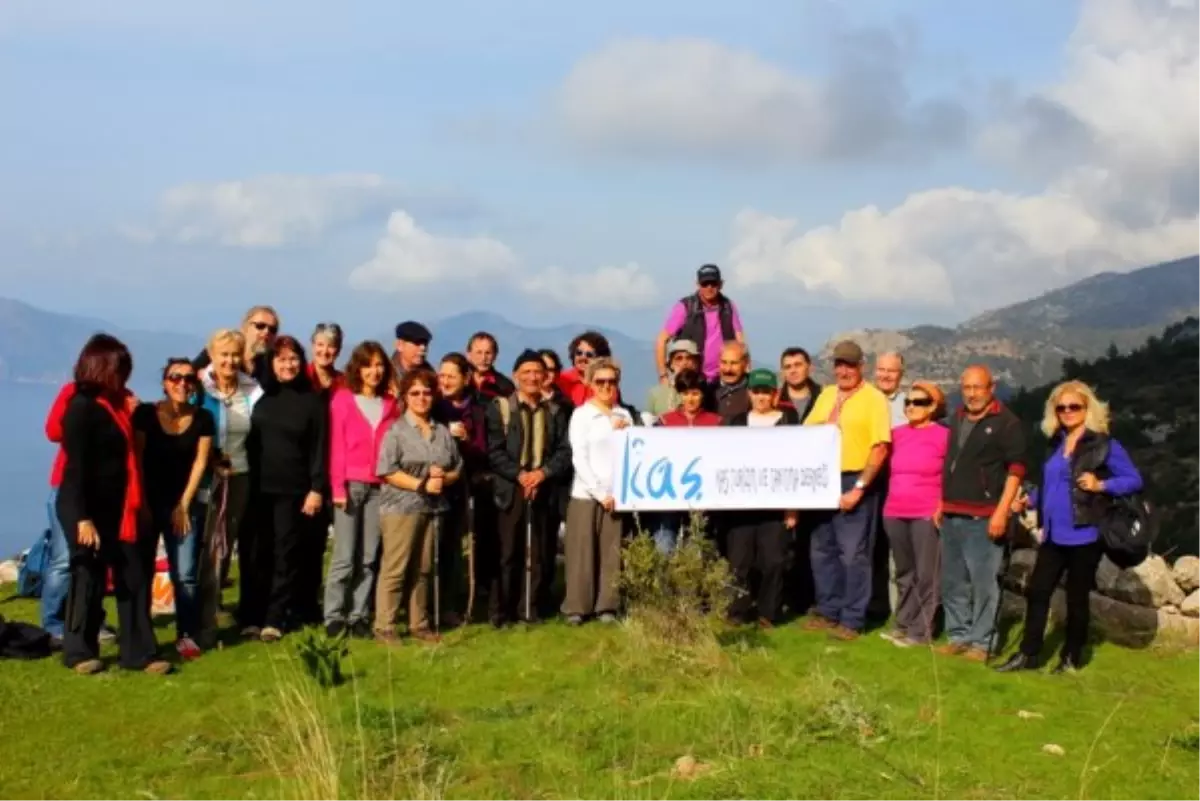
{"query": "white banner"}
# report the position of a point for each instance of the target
(676, 469)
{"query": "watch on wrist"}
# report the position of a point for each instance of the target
(859, 485)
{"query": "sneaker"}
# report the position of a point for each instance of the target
(844, 633)
(187, 649)
(574, 620)
(608, 617)
(88, 667)
(976, 654)
(361, 630)
(335, 629)
(158, 667)
(108, 635)
(818, 623)
(893, 636)
(270, 634)
(251, 632)
(951, 649)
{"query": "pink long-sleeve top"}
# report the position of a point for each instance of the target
(354, 442)
(915, 471)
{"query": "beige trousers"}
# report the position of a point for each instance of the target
(593, 559)
(404, 570)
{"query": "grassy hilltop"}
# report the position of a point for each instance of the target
(555, 712)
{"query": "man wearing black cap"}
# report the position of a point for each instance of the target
(527, 448)
(707, 318)
(412, 343)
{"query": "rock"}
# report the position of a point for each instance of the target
(1187, 573)
(1053, 749)
(1191, 604)
(1106, 576)
(1132, 625)
(8, 571)
(1149, 584)
(1170, 609)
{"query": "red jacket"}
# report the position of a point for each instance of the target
(676, 418)
(571, 384)
(54, 430)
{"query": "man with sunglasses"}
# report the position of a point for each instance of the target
(985, 463)
(707, 318)
(260, 326)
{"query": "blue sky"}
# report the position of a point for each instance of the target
(848, 165)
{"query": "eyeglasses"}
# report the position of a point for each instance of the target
(259, 325)
(920, 403)
(1063, 408)
(419, 393)
(605, 382)
(180, 378)
(585, 354)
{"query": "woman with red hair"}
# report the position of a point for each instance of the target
(100, 505)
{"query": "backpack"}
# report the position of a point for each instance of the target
(23, 641)
(31, 571)
(1128, 530)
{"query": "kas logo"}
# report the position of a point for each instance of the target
(662, 479)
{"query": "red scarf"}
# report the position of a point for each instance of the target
(133, 483)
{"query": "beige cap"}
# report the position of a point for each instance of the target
(848, 351)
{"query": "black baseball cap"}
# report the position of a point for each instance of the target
(414, 332)
(709, 272)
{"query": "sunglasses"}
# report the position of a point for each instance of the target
(920, 403)
(605, 382)
(1068, 407)
(585, 354)
(420, 393)
(180, 378)
(259, 325)
(710, 284)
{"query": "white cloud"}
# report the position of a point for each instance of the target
(270, 211)
(408, 255)
(1116, 140)
(608, 287)
(660, 98)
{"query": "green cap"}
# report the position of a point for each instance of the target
(762, 378)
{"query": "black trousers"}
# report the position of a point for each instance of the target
(1080, 563)
(880, 605)
(277, 539)
(507, 599)
(757, 541)
(450, 554)
(798, 581)
(131, 568)
(312, 567)
(485, 525)
(548, 598)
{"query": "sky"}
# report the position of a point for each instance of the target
(848, 165)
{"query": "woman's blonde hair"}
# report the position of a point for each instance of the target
(223, 335)
(1096, 414)
(602, 363)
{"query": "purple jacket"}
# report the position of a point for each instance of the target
(1056, 509)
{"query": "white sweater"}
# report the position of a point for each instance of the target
(592, 451)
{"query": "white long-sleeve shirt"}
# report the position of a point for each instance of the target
(592, 451)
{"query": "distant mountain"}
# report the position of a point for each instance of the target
(1025, 344)
(41, 346)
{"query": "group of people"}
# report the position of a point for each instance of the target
(261, 446)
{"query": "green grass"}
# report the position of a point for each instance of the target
(557, 712)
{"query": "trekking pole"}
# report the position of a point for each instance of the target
(528, 558)
(470, 555)
(1005, 562)
(437, 573)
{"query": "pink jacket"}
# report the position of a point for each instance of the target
(353, 446)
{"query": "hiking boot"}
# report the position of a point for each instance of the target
(894, 636)
(187, 649)
(764, 623)
(159, 667)
(361, 630)
(425, 636)
(1017, 661)
(844, 633)
(1065, 667)
(334, 629)
(88, 667)
(951, 649)
(975, 654)
(818, 623)
(608, 617)
(388, 637)
(270, 634)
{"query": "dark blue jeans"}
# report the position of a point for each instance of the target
(58, 573)
(183, 559)
(970, 589)
(841, 559)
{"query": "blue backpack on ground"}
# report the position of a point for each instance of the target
(31, 572)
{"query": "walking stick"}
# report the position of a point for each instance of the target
(470, 555)
(528, 558)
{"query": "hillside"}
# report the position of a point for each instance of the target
(1026, 343)
(1153, 392)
